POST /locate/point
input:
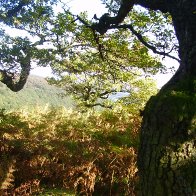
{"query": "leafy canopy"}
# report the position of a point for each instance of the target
(90, 64)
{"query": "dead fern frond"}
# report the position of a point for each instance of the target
(28, 188)
(85, 182)
(9, 176)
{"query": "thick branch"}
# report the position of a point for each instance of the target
(161, 5)
(106, 21)
(98, 104)
(9, 78)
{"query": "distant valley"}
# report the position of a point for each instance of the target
(37, 92)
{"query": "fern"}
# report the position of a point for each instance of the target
(65, 149)
(8, 180)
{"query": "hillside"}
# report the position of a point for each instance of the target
(37, 92)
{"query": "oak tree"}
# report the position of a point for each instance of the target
(167, 153)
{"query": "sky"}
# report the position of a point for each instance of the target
(95, 7)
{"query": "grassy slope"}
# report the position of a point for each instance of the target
(37, 92)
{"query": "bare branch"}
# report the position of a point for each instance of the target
(99, 104)
(142, 40)
(99, 45)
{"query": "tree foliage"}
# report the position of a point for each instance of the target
(89, 65)
(18, 53)
(93, 74)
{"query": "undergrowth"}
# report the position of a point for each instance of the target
(57, 151)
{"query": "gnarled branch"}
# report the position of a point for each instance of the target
(106, 22)
(9, 80)
(126, 6)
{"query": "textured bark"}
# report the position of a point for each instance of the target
(167, 153)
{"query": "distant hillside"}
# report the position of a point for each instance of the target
(37, 92)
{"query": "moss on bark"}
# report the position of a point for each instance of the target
(167, 154)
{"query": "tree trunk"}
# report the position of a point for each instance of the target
(167, 153)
